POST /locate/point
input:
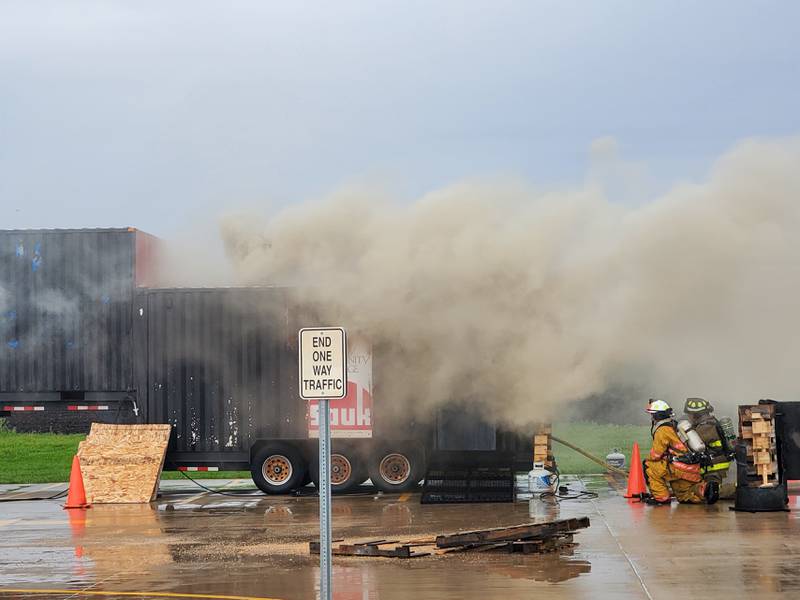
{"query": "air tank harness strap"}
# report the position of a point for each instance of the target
(654, 427)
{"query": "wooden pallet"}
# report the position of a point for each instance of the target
(509, 534)
(526, 539)
(757, 427)
(379, 548)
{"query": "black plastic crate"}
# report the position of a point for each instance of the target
(469, 477)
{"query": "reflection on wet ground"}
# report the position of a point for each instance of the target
(254, 546)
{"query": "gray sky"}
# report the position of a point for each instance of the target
(158, 114)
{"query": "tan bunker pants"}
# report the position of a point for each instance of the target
(661, 477)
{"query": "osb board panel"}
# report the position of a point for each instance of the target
(122, 463)
(101, 431)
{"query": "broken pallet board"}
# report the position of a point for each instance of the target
(377, 549)
(527, 539)
(540, 546)
(419, 550)
(123, 463)
(510, 534)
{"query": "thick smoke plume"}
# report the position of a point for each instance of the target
(523, 301)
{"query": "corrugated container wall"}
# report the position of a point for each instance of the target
(221, 367)
(66, 301)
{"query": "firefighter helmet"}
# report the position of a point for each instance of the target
(695, 406)
(658, 406)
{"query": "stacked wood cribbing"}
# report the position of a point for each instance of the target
(543, 446)
(122, 463)
(528, 538)
(757, 426)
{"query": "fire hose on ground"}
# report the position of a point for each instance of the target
(591, 457)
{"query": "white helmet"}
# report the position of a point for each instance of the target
(658, 406)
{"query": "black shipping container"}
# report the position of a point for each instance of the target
(66, 300)
(220, 367)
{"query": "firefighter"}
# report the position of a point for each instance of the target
(700, 414)
(665, 467)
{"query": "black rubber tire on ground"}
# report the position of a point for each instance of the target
(347, 470)
(278, 468)
(396, 469)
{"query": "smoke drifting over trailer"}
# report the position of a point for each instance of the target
(524, 300)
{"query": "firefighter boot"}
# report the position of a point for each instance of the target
(656, 502)
(711, 493)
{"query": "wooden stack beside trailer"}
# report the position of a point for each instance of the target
(543, 446)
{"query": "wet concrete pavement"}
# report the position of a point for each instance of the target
(192, 542)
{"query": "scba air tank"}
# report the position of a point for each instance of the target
(690, 437)
(726, 424)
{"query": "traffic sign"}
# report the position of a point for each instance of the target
(323, 363)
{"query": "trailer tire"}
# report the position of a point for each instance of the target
(278, 468)
(347, 470)
(396, 468)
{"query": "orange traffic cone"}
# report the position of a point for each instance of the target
(77, 495)
(636, 484)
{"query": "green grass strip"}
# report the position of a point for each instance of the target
(47, 457)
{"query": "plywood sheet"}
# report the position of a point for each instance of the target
(122, 463)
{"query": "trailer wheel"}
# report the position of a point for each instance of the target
(347, 471)
(396, 469)
(278, 469)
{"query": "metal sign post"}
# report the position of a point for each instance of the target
(323, 377)
(324, 500)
